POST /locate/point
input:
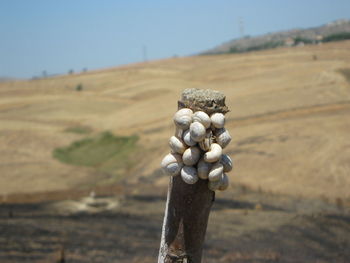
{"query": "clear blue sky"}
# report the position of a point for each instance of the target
(56, 36)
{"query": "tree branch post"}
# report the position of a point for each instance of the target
(188, 205)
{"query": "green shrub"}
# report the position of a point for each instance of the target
(304, 40)
(337, 37)
(345, 72)
(79, 129)
(105, 152)
(266, 45)
(79, 87)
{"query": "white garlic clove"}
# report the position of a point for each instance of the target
(172, 164)
(187, 138)
(207, 141)
(197, 131)
(224, 183)
(203, 118)
(218, 120)
(214, 185)
(177, 145)
(216, 172)
(223, 137)
(226, 162)
(214, 154)
(203, 169)
(191, 156)
(189, 174)
(183, 118)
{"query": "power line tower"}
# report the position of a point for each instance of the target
(241, 26)
(144, 53)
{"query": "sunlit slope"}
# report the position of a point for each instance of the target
(290, 119)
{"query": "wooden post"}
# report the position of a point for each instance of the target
(188, 206)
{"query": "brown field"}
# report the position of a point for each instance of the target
(289, 200)
(290, 119)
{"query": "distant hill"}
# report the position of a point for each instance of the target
(6, 79)
(336, 30)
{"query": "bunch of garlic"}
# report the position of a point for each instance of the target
(196, 149)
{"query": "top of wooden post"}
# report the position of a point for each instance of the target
(209, 101)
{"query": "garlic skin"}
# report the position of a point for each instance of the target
(187, 138)
(223, 137)
(191, 156)
(183, 118)
(197, 131)
(203, 169)
(177, 145)
(227, 163)
(216, 172)
(172, 164)
(224, 183)
(189, 174)
(203, 118)
(218, 120)
(214, 154)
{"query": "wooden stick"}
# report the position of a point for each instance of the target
(188, 206)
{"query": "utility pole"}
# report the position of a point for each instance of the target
(241, 26)
(144, 53)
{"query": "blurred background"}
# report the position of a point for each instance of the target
(88, 90)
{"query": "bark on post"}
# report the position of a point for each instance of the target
(188, 206)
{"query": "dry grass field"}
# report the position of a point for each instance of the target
(290, 120)
(108, 130)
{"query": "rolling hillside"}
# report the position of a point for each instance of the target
(290, 121)
(328, 32)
